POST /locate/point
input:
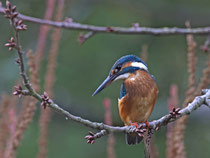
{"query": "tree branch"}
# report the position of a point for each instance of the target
(163, 121)
(204, 99)
(91, 137)
(135, 30)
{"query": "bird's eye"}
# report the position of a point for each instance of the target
(117, 69)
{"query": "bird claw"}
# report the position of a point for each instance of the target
(135, 124)
(140, 130)
(90, 138)
(174, 112)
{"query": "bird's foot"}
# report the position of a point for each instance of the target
(175, 112)
(147, 124)
(135, 124)
(140, 130)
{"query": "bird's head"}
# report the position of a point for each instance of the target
(122, 69)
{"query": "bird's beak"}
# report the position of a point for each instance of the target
(106, 82)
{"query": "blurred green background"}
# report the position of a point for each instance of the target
(81, 68)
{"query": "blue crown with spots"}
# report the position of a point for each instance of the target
(126, 59)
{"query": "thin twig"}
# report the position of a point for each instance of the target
(163, 121)
(84, 37)
(91, 137)
(205, 47)
(71, 25)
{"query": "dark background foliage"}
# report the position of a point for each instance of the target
(81, 68)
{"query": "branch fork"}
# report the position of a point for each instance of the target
(104, 129)
(91, 137)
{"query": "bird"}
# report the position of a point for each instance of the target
(138, 92)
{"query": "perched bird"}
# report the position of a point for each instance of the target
(138, 92)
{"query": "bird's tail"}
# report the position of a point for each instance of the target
(132, 138)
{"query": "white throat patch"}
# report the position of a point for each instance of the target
(123, 76)
(140, 65)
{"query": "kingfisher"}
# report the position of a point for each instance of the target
(137, 95)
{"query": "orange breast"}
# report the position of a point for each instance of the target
(140, 98)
